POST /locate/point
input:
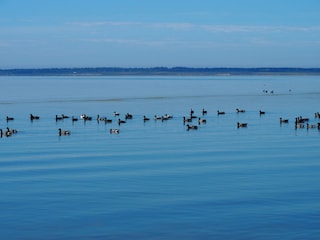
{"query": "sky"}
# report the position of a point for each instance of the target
(153, 33)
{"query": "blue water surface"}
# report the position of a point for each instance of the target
(155, 179)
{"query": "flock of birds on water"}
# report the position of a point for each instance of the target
(300, 122)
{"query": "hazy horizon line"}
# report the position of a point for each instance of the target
(160, 71)
(152, 67)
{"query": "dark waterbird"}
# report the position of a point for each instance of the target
(238, 110)
(242, 125)
(284, 120)
(202, 121)
(74, 119)
(187, 119)
(191, 127)
(129, 116)
(9, 118)
(59, 118)
(204, 112)
(33, 117)
(64, 132)
(121, 121)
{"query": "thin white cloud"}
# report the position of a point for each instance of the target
(205, 27)
(163, 25)
(200, 44)
(164, 43)
(104, 23)
(125, 41)
(248, 29)
(175, 26)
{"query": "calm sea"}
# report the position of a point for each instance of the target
(155, 179)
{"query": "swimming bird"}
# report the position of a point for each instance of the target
(204, 112)
(114, 131)
(5, 134)
(156, 117)
(116, 114)
(191, 114)
(64, 116)
(8, 132)
(121, 121)
(262, 112)
(100, 118)
(33, 117)
(187, 119)
(238, 110)
(192, 127)
(300, 119)
(284, 120)
(166, 117)
(85, 117)
(128, 116)
(311, 126)
(106, 120)
(12, 131)
(220, 112)
(145, 118)
(201, 120)
(299, 125)
(242, 125)
(74, 119)
(9, 118)
(58, 118)
(64, 132)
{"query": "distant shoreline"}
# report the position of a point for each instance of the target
(159, 71)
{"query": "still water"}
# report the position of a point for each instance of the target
(155, 179)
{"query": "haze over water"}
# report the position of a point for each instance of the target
(155, 179)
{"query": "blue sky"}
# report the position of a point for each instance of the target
(148, 33)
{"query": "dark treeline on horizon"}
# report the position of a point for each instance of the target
(157, 71)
